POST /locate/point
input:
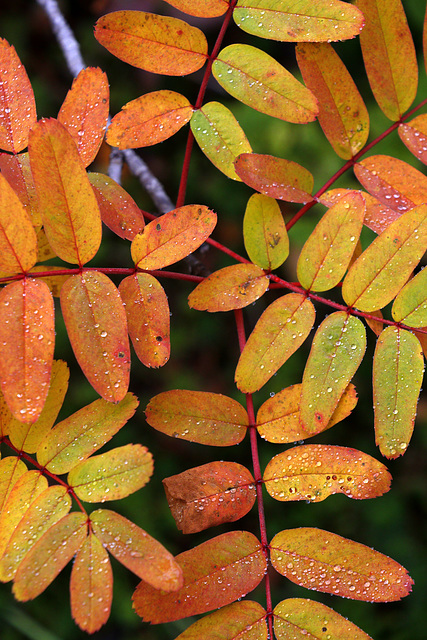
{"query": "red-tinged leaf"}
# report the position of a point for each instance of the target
(244, 620)
(397, 377)
(201, 8)
(148, 317)
(278, 419)
(299, 619)
(17, 171)
(377, 215)
(18, 241)
(96, 323)
(336, 353)
(172, 236)
(395, 183)
(389, 55)
(53, 282)
(259, 81)
(326, 562)
(68, 205)
(47, 509)
(5, 419)
(49, 555)
(84, 112)
(74, 439)
(342, 113)
(148, 120)
(91, 585)
(315, 471)
(320, 21)
(414, 135)
(230, 288)
(210, 495)
(17, 104)
(27, 437)
(326, 254)
(219, 136)
(112, 475)
(264, 232)
(27, 339)
(198, 416)
(11, 469)
(216, 573)
(383, 268)
(275, 177)
(136, 550)
(279, 332)
(410, 305)
(159, 44)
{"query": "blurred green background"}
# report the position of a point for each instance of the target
(204, 346)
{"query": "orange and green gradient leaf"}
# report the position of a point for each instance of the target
(201, 8)
(414, 136)
(243, 620)
(410, 305)
(11, 469)
(264, 232)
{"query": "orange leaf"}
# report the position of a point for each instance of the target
(17, 104)
(279, 332)
(414, 135)
(278, 419)
(216, 573)
(136, 550)
(159, 44)
(49, 556)
(201, 8)
(27, 338)
(198, 416)
(91, 585)
(148, 317)
(172, 236)
(377, 215)
(326, 562)
(275, 177)
(342, 113)
(315, 471)
(68, 206)
(245, 620)
(148, 120)
(230, 288)
(17, 171)
(210, 495)
(84, 112)
(96, 324)
(11, 469)
(389, 55)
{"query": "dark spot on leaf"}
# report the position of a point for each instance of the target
(158, 227)
(318, 416)
(120, 354)
(159, 338)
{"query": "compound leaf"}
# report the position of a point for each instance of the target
(210, 495)
(315, 471)
(198, 416)
(414, 136)
(279, 332)
(201, 8)
(136, 550)
(160, 44)
(324, 561)
(244, 620)
(259, 81)
(397, 376)
(216, 573)
(264, 232)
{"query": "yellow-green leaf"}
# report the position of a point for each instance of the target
(112, 475)
(245, 620)
(160, 44)
(11, 469)
(315, 471)
(230, 288)
(384, 267)
(259, 81)
(337, 350)
(264, 232)
(326, 254)
(410, 305)
(279, 332)
(397, 376)
(307, 21)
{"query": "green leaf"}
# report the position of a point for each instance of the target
(257, 80)
(287, 21)
(326, 562)
(279, 332)
(112, 475)
(397, 377)
(244, 620)
(264, 232)
(326, 254)
(219, 136)
(410, 305)
(384, 267)
(337, 350)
